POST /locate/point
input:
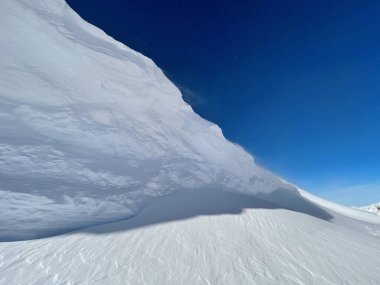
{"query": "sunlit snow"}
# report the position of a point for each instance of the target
(92, 132)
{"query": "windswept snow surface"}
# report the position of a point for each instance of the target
(200, 237)
(93, 132)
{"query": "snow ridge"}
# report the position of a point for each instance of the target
(88, 123)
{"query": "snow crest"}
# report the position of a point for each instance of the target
(85, 120)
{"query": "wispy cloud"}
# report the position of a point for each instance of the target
(355, 195)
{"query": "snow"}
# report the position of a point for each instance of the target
(92, 132)
(90, 128)
(373, 208)
(200, 237)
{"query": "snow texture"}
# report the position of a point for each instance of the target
(90, 128)
(200, 237)
(92, 132)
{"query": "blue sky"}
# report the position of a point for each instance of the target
(297, 83)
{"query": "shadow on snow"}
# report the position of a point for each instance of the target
(189, 204)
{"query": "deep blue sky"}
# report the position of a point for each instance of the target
(296, 82)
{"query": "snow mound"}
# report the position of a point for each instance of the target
(90, 128)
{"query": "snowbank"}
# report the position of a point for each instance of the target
(90, 128)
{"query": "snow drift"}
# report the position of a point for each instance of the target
(90, 128)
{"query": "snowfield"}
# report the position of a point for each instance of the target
(200, 238)
(92, 132)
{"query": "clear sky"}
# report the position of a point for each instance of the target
(296, 83)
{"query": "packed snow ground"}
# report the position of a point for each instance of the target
(200, 237)
(93, 132)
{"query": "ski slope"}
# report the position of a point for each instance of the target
(92, 132)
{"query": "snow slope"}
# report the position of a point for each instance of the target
(90, 128)
(93, 132)
(373, 208)
(198, 237)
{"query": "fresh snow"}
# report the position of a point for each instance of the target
(92, 132)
